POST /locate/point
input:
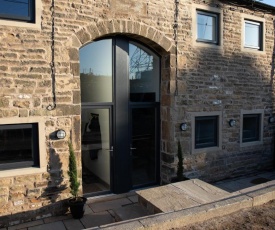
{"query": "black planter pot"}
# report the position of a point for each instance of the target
(77, 207)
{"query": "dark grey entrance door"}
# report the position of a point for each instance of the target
(120, 78)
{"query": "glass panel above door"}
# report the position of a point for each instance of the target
(96, 75)
(143, 74)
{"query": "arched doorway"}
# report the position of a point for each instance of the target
(120, 94)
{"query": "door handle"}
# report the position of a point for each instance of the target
(110, 150)
(132, 148)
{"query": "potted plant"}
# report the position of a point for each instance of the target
(76, 203)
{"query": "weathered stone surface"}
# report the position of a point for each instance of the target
(200, 191)
(33, 75)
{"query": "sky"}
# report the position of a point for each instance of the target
(270, 2)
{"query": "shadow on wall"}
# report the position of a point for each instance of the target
(229, 81)
(49, 202)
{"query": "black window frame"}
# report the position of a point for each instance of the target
(30, 18)
(215, 139)
(257, 130)
(35, 162)
(215, 41)
(260, 35)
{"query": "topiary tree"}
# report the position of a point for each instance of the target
(180, 164)
(74, 183)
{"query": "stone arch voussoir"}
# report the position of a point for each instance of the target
(135, 29)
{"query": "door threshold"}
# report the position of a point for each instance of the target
(94, 198)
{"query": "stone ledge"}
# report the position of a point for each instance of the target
(236, 202)
(262, 196)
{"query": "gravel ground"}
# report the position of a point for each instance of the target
(260, 217)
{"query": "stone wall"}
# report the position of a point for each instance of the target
(31, 77)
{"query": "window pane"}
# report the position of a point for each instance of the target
(144, 147)
(16, 145)
(95, 128)
(206, 27)
(96, 75)
(206, 132)
(252, 35)
(251, 127)
(144, 74)
(16, 9)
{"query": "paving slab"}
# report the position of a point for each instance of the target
(201, 191)
(102, 206)
(130, 212)
(237, 184)
(97, 219)
(57, 218)
(26, 225)
(134, 198)
(73, 224)
(51, 226)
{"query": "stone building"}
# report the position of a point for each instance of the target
(125, 81)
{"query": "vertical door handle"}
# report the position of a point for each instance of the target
(111, 149)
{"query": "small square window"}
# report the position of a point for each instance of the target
(207, 27)
(251, 127)
(23, 10)
(253, 35)
(19, 146)
(206, 131)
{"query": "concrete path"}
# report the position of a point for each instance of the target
(201, 201)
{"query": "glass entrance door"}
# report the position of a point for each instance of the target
(120, 106)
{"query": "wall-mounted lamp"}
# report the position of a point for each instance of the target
(271, 119)
(232, 123)
(183, 126)
(60, 134)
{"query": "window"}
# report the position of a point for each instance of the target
(251, 127)
(19, 146)
(21, 10)
(206, 131)
(253, 35)
(207, 27)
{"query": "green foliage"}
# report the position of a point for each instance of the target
(180, 163)
(74, 183)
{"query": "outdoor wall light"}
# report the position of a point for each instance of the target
(60, 134)
(271, 119)
(232, 123)
(183, 126)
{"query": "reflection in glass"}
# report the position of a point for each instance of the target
(18, 146)
(206, 27)
(252, 34)
(251, 127)
(95, 132)
(96, 71)
(206, 131)
(144, 147)
(20, 9)
(144, 74)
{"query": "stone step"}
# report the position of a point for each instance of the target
(180, 195)
(201, 191)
